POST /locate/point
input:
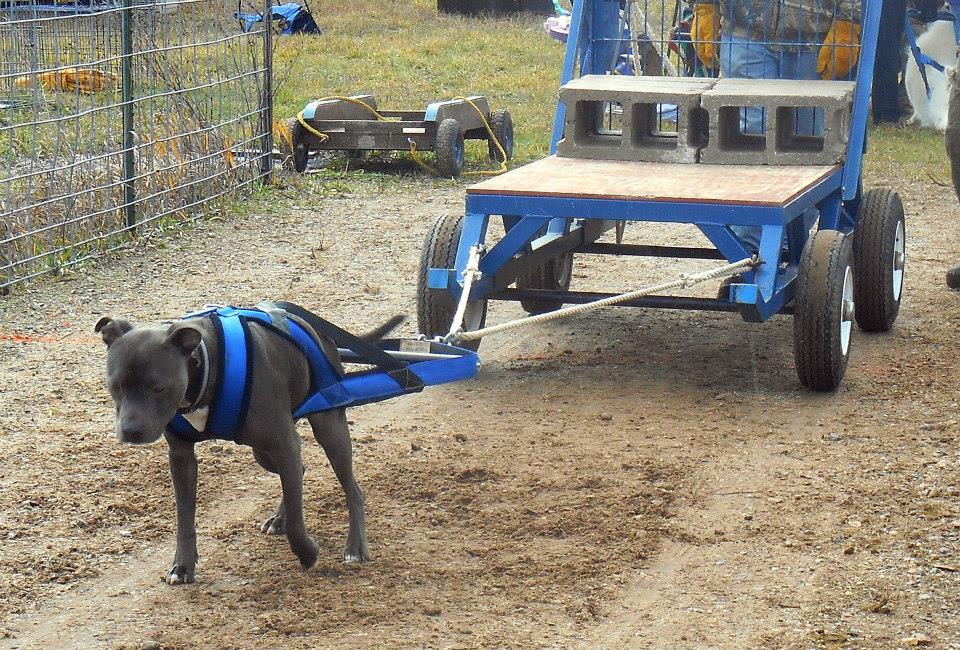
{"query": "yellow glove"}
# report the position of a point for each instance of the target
(703, 31)
(840, 50)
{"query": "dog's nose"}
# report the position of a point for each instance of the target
(131, 433)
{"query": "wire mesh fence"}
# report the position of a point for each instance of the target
(117, 117)
(771, 39)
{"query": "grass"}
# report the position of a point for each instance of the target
(407, 55)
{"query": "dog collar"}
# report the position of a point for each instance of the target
(205, 379)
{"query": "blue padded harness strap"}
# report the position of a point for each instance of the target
(322, 373)
(226, 414)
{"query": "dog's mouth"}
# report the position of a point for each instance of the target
(137, 437)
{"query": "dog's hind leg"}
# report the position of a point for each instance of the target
(183, 470)
(331, 431)
(284, 459)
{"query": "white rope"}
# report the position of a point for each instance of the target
(470, 274)
(457, 335)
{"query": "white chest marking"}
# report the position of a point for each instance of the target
(198, 419)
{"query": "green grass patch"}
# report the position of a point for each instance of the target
(408, 55)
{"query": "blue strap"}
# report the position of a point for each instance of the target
(227, 410)
(322, 373)
(923, 61)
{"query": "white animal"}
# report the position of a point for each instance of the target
(939, 43)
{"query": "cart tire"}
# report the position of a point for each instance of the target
(555, 275)
(295, 153)
(823, 311)
(502, 126)
(879, 254)
(436, 308)
(449, 148)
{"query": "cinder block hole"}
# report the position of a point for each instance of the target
(599, 123)
(799, 129)
(741, 130)
(654, 126)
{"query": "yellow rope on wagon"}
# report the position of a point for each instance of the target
(414, 153)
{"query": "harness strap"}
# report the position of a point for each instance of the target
(922, 59)
(234, 380)
(345, 339)
(395, 368)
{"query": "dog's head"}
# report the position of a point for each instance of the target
(148, 372)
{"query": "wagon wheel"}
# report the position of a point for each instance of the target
(502, 126)
(293, 146)
(879, 254)
(554, 275)
(824, 310)
(449, 149)
(436, 307)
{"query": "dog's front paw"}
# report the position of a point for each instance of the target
(307, 551)
(180, 574)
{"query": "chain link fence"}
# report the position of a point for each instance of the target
(117, 118)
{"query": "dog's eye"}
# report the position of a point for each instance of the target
(158, 390)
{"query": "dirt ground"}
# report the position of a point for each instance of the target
(624, 479)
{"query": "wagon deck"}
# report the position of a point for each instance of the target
(647, 181)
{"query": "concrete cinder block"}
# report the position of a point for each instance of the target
(639, 132)
(781, 143)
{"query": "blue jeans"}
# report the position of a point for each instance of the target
(743, 58)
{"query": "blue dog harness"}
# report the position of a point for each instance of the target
(329, 389)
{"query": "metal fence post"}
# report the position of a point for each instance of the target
(126, 73)
(266, 102)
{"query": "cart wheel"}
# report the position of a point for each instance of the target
(294, 152)
(449, 148)
(435, 308)
(502, 126)
(823, 311)
(879, 254)
(554, 275)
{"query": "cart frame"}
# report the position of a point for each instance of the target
(541, 228)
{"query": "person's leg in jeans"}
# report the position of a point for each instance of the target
(745, 59)
(886, 89)
(803, 65)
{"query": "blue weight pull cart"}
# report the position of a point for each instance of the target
(850, 268)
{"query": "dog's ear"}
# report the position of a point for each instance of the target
(111, 329)
(185, 338)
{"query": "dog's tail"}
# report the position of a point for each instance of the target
(378, 333)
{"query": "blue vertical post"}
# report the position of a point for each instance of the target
(861, 98)
(569, 63)
(595, 38)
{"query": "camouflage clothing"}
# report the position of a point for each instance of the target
(790, 22)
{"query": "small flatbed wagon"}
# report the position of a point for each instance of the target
(355, 124)
(782, 204)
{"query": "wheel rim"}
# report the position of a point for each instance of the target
(564, 270)
(458, 153)
(846, 311)
(473, 315)
(899, 261)
(506, 141)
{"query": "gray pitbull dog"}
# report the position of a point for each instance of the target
(155, 372)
